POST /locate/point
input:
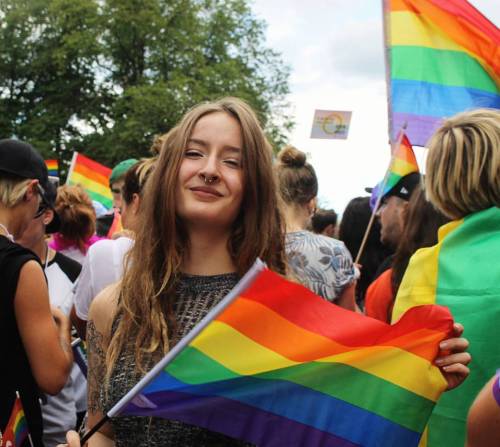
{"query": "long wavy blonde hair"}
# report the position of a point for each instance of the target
(145, 295)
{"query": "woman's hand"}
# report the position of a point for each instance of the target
(453, 358)
(72, 438)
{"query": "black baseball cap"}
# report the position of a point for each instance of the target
(20, 159)
(404, 187)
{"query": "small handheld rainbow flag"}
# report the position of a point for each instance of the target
(274, 364)
(92, 176)
(443, 59)
(116, 225)
(403, 162)
(16, 431)
(52, 167)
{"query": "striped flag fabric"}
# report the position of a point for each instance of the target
(16, 431)
(403, 162)
(442, 59)
(52, 167)
(461, 272)
(92, 176)
(275, 364)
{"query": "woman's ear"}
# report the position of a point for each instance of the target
(31, 190)
(136, 202)
(311, 206)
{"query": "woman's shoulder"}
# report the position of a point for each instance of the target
(103, 307)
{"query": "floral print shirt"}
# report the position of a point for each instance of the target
(321, 263)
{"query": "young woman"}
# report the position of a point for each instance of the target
(321, 263)
(34, 341)
(210, 209)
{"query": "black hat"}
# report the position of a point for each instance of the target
(404, 187)
(22, 160)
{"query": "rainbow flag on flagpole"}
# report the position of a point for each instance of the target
(52, 167)
(274, 364)
(403, 162)
(442, 58)
(461, 272)
(16, 431)
(92, 176)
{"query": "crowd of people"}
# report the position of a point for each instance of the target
(196, 215)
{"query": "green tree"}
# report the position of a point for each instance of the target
(105, 76)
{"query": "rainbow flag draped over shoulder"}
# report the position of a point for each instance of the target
(52, 167)
(444, 58)
(92, 176)
(275, 364)
(403, 162)
(462, 272)
(16, 431)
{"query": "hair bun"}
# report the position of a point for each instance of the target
(292, 157)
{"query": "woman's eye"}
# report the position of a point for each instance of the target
(233, 163)
(191, 153)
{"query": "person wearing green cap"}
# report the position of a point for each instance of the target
(117, 178)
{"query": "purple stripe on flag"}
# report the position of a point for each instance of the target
(237, 420)
(419, 128)
(496, 388)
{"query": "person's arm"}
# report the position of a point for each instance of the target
(347, 298)
(454, 358)
(79, 324)
(99, 326)
(45, 333)
(483, 422)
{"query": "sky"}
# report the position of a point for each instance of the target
(335, 51)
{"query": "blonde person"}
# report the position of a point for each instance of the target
(34, 339)
(462, 270)
(321, 263)
(104, 262)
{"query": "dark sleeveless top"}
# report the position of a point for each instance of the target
(16, 371)
(195, 296)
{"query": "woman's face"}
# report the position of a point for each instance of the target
(210, 182)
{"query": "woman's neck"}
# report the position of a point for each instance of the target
(208, 255)
(296, 217)
(7, 219)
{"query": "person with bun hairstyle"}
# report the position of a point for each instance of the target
(34, 338)
(321, 263)
(210, 209)
(78, 222)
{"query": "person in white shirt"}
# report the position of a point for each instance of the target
(105, 259)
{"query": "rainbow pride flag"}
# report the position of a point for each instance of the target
(52, 167)
(16, 431)
(462, 272)
(92, 176)
(274, 364)
(443, 59)
(403, 162)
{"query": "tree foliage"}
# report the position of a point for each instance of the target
(105, 76)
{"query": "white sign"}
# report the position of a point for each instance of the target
(331, 124)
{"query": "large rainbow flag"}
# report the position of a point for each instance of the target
(403, 162)
(443, 58)
(16, 431)
(462, 272)
(92, 176)
(274, 364)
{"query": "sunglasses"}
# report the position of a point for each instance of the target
(44, 206)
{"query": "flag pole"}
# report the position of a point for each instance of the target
(242, 285)
(381, 193)
(71, 166)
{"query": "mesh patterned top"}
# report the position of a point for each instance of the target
(195, 297)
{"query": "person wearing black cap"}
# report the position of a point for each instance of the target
(34, 339)
(59, 412)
